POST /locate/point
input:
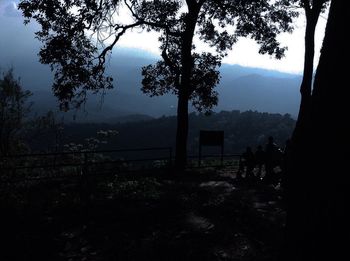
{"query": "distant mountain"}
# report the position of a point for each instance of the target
(241, 88)
(260, 92)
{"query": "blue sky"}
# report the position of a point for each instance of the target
(17, 40)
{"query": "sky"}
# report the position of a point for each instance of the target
(17, 40)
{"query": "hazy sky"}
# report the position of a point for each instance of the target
(16, 40)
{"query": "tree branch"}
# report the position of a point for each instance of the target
(102, 56)
(168, 61)
(152, 24)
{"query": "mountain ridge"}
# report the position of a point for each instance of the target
(241, 88)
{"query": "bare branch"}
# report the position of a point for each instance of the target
(102, 56)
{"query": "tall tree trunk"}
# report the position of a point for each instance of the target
(317, 223)
(182, 107)
(185, 87)
(306, 84)
(181, 132)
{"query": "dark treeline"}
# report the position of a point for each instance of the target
(241, 129)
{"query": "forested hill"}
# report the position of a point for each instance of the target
(241, 129)
(240, 88)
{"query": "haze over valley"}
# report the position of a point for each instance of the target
(240, 88)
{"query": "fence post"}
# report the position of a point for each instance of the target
(170, 157)
(85, 165)
(200, 155)
(85, 181)
(222, 155)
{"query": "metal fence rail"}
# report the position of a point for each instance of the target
(213, 160)
(78, 163)
(39, 166)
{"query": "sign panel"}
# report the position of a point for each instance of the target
(211, 138)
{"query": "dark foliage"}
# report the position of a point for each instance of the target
(78, 58)
(14, 110)
(241, 129)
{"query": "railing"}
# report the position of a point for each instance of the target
(40, 166)
(78, 163)
(214, 160)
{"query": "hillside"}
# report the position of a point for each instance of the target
(249, 128)
(241, 88)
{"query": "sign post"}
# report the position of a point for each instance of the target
(211, 138)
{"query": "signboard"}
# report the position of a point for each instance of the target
(211, 138)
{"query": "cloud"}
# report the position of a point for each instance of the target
(9, 8)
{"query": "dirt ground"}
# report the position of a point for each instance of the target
(198, 215)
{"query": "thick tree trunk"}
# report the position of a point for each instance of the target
(185, 88)
(182, 107)
(306, 84)
(317, 223)
(181, 132)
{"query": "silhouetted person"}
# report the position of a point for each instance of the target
(272, 154)
(247, 162)
(259, 160)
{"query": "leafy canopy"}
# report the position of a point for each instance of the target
(78, 36)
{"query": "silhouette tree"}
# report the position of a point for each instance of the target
(312, 9)
(75, 34)
(14, 109)
(318, 219)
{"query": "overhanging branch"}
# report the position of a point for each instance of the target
(149, 23)
(123, 29)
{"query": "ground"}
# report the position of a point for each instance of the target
(204, 214)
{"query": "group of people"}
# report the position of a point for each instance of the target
(267, 159)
